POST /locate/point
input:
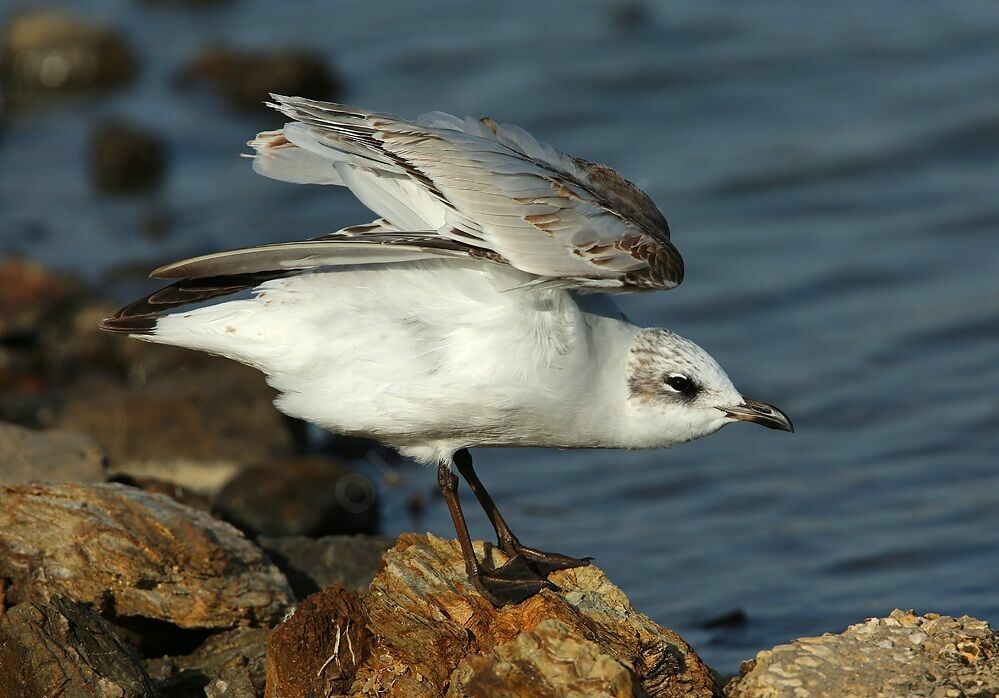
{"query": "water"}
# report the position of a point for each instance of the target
(831, 175)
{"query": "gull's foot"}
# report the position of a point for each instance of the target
(545, 563)
(514, 582)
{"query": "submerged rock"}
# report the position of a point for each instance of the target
(134, 555)
(27, 455)
(49, 52)
(246, 79)
(433, 635)
(61, 648)
(126, 159)
(311, 564)
(901, 655)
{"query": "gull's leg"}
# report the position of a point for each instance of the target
(540, 561)
(511, 583)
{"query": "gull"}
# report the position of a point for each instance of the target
(475, 311)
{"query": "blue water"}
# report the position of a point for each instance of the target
(831, 175)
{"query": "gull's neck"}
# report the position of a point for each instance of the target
(584, 401)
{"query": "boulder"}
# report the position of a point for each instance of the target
(299, 496)
(133, 555)
(431, 634)
(61, 648)
(902, 655)
(195, 425)
(27, 455)
(311, 564)
(172, 490)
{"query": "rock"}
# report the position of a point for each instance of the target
(434, 633)
(61, 648)
(48, 52)
(311, 564)
(901, 655)
(27, 456)
(231, 663)
(29, 295)
(172, 490)
(126, 159)
(543, 662)
(307, 496)
(195, 426)
(316, 651)
(246, 79)
(134, 555)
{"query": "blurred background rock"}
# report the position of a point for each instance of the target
(829, 172)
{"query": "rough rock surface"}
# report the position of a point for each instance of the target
(231, 663)
(317, 650)
(903, 655)
(134, 555)
(176, 492)
(551, 660)
(427, 621)
(301, 496)
(27, 455)
(311, 564)
(61, 648)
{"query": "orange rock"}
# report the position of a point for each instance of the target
(433, 635)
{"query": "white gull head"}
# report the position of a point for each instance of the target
(677, 392)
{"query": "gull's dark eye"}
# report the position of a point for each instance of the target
(680, 384)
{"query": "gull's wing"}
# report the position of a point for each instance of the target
(494, 190)
(211, 276)
(378, 242)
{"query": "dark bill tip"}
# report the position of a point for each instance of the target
(760, 413)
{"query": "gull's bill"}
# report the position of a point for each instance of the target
(760, 413)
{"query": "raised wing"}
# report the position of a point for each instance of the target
(492, 189)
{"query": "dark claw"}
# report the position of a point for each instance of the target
(545, 563)
(514, 582)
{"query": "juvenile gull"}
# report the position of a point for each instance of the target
(475, 311)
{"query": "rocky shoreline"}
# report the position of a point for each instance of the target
(165, 532)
